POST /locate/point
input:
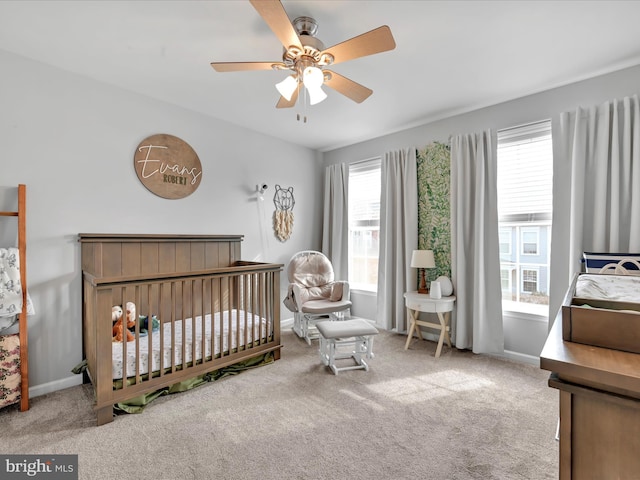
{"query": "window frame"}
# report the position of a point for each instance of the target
(525, 155)
(363, 167)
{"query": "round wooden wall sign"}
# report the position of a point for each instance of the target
(167, 166)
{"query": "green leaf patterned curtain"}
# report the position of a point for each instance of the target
(434, 212)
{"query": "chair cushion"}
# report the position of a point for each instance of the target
(346, 328)
(325, 306)
(310, 269)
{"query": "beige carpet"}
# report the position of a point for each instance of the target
(411, 416)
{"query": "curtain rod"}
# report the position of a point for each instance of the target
(367, 160)
(539, 123)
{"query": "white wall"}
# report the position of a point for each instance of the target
(522, 338)
(71, 140)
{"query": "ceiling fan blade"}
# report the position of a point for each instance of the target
(284, 103)
(274, 14)
(244, 66)
(353, 90)
(375, 41)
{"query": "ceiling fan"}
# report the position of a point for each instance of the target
(306, 57)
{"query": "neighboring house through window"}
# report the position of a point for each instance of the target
(364, 224)
(525, 171)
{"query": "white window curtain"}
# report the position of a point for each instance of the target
(475, 258)
(597, 155)
(398, 236)
(335, 229)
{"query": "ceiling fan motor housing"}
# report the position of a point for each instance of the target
(305, 26)
(312, 47)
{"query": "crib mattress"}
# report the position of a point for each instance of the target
(603, 311)
(184, 329)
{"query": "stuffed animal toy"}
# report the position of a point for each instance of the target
(119, 330)
(116, 313)
(144, 324)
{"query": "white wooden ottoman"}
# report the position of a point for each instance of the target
(356, 335)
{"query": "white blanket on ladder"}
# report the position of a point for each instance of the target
(10, 287)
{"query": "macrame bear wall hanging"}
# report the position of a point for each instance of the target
(283, 215)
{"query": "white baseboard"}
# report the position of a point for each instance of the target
(38, 390)
(521, 357)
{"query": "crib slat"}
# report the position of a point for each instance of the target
(232, 302)
(212, 310)
(261, 310)
(153, 308)
(268, 300)
(174, 296)
(246, 284)
(125, 373)
(193, 327)
(220, 337)
(183, 318)
(203, 319)
(139, 305)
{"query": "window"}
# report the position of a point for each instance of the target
(364, 224)
(505, 279)
(529, 280)
(525, 174)
(505, 241)
(530, 240)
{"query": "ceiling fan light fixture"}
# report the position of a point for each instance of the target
(287, 86)
(313, 78)
(316, 95)
(302, 50)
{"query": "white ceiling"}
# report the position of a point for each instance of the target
(451, 56)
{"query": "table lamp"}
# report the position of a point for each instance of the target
(422, 259)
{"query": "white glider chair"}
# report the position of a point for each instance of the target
(313, 294)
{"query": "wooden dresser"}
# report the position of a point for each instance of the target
(599, 408)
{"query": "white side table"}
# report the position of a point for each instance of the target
(419, 302)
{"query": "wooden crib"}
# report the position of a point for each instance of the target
(211, 310)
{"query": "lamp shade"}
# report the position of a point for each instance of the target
(313, 78)
(316, 95)
(422, 259)
(287, 86)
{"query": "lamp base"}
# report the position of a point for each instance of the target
(422, 288)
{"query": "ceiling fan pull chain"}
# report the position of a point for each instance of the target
(305, 102)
